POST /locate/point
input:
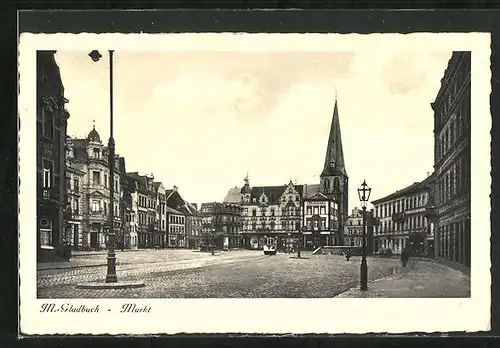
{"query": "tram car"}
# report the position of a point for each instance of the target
(270, 245)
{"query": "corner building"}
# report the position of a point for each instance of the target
(90, 157)
(51, 127)
(452, 166)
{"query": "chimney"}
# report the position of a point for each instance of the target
(175, 188)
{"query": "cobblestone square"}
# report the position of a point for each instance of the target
(231, 274)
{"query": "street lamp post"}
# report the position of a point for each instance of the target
(111, 258)
(364, 195)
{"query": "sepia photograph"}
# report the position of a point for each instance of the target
(254, 167)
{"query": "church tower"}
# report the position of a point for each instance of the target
(333, 178)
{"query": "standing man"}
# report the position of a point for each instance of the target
(405, 255)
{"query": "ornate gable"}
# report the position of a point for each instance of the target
(263, 199)
(290, 196)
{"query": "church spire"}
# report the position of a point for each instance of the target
(334, 159)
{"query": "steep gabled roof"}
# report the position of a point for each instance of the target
(317, 197)
(173, 211)
(310, 190)
(273, 193)
(174, 199)
(233, 195)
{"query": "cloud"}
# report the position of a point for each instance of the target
(201, 97)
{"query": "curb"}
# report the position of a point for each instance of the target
(397, 270)
(104, 252)
(117, 285)
(71, 267)
(101, 265)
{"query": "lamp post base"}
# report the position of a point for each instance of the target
(363, 275)
(111, 274)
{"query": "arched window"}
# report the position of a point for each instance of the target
(327, 184)
(336, 184)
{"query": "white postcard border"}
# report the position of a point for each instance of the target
(172, 316)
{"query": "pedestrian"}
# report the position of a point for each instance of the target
(405, 256)
(347, 255)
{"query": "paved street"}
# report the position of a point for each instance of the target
(419, 279)
(232, 274)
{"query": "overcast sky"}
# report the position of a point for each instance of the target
(200, 120)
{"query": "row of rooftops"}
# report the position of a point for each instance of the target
(310, 192)
(273, 193)
(416, 187)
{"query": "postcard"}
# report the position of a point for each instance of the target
(254, 183)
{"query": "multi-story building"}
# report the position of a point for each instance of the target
(160, 236)
(192, 218)
(75, 173)
(176, 228)
(51, 126)
(91, 156)
(452, 166)
(320, 221)
(221, 223)
(402, 220)
(145, 196)
(353, 229)
(277, 210)
(193, 225)
(125, 204)
(131, 213)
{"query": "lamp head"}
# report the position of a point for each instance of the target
(95, 55)
(364, 194)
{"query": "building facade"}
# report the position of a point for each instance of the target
(125, 205)
(176, 228)
(51, 126)
(91, 157)
(452, 166)
(193, 225)
(75, 174)
(269, 211)
(221, 224)
(320, 221)
(402, 220)
(145, 197)
(282, 211)
(131, 213)
(353, 229)
(160, 236)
